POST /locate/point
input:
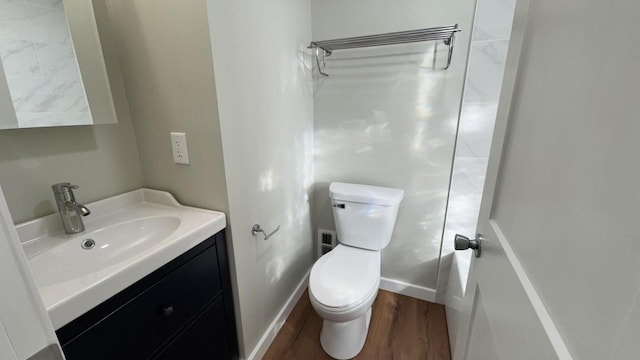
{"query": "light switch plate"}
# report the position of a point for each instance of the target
(180, 149)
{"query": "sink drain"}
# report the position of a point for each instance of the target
(88, 244)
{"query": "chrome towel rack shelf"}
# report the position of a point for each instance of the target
(326, 47)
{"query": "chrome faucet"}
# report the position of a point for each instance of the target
(70, 211)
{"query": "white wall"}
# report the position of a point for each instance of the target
(265, 104)
(385, 117)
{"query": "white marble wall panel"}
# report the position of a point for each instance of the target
(54, 4)
(462, 214)
(58, 61)
(485, 70)
(34, 119)
(493, 20)
(464, 200)
(40, 64)
(476, 129)
(31, 22)
(8, 118)
(19, 58)
(47, 95)
(487, 58)
(29, 120)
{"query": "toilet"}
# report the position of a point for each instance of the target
(344, 283)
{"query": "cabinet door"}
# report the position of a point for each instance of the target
(205, 338)
(140, 327)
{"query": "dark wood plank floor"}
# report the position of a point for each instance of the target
(401, 328)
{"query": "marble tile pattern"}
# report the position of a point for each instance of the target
(487, 59)
(476, 129)
(40, 64)
(493, 20)
(485, 70)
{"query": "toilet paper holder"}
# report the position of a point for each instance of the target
(258, 229)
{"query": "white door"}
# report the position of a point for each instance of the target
(559, 272)
(25, 328)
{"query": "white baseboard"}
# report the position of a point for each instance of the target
(415, 291)
(277, 323)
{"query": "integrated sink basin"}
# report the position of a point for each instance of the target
(108, 246)
(126, 238)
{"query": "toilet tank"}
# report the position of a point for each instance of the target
(365, 215)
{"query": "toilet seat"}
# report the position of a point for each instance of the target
(345, 278)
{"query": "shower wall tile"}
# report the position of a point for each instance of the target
(58, 61)
(40, 64)
(476, 129)
(76, 118)
(53, 4)
(34, 95)
(462, 210)
(486, 67)
(493, 20)
(36, 23)
(19, 58)
(34, 119)
(463, 207)
(487, 59)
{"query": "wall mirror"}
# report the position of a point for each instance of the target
(53, 68)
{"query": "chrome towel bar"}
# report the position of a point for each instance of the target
(326, 47)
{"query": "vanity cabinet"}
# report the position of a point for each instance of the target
(184, 310)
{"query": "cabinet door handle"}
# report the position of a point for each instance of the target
(168, 311)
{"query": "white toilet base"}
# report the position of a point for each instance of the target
(344, 340)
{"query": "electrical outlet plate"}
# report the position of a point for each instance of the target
(179, 147)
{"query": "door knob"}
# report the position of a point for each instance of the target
(464, 243)
(168, 311)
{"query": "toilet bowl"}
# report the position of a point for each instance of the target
(342, 287)
(344, 283)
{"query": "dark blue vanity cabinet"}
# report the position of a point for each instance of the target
(182, 311)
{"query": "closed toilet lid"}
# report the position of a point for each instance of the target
(344, 277)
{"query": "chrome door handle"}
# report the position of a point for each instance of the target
(464, 243)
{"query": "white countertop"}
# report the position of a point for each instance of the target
(76, 290)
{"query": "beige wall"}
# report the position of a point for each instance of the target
(165, 58)
(102, 159)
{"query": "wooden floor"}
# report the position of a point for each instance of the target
(401, 328)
